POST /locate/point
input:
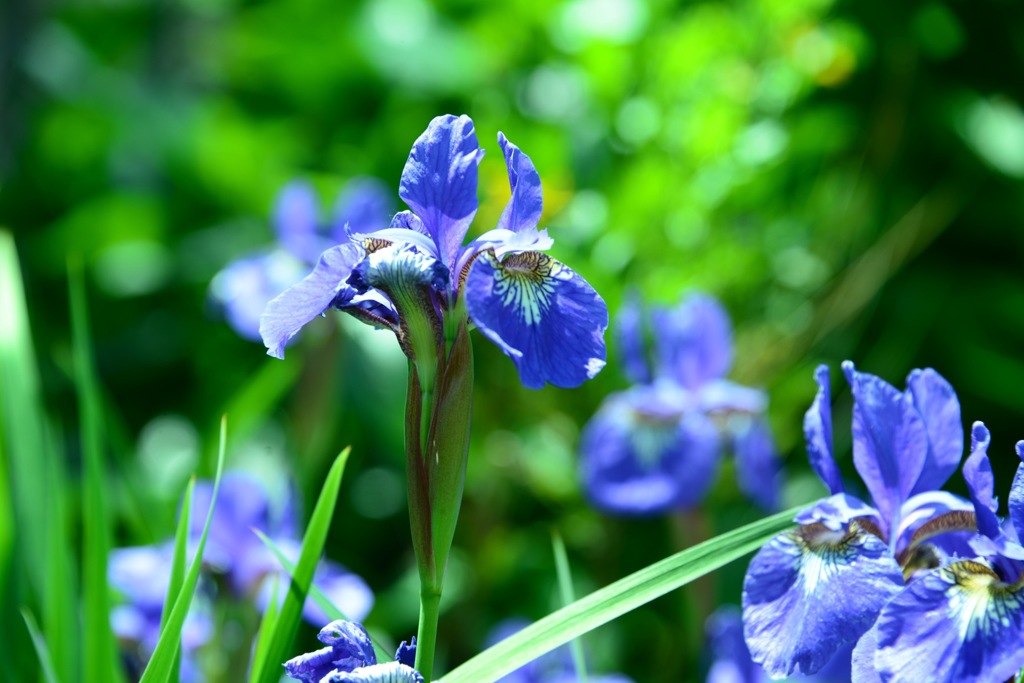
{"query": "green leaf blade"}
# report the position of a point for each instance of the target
(287, 623)
(614, 600)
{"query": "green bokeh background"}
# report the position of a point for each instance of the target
(845, 176)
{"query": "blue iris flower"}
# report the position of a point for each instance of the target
(243, 288)
(812, 590)
(419, 280)
(349, 658)
(657, 446)
(963, 621)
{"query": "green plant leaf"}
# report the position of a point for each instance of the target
(287, 623)
(568, 597)
(266, 632)
(99, 649)
(329, 608)
(43, 652)
(162, 664)
(178, 565)
(613, 601)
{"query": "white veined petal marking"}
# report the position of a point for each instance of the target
(978, 600)
(525, 282)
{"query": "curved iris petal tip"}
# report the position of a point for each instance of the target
(980, 436)
(849, 370)
(1020, 449)
(821, 374)
(595, 365)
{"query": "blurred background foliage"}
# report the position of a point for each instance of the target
(845, 176)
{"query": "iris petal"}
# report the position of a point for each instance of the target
(959, 623)
(638, 458)
(542, 314)
(757, 466)
(818, 433)
(889, 441)
(439, 181)
(811, 590)
(1016, 499)
(980, 481)
(694, 341)
(630, 333)
(289, 311)
(295, 220)
(526, 204)
(940, 410)
(391, 672)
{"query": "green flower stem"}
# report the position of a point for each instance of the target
(426, 634)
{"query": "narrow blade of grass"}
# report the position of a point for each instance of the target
(287, 623)
(43, 652)
(614, 600)
(178, 568)
(568, 597)
(100, 662)
(59, 570)
(162, 664)
(330, 609)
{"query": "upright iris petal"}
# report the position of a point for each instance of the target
(818, 434)
(939, 408)
(694, 341)
(542, 314)
(630, 335)
(439, 181)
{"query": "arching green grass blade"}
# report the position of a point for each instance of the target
(568, 597)
(178, 568)
(266, 632)
(49, 674)
(161, 665)
(99, 649)
(287, 623)
(613, 601)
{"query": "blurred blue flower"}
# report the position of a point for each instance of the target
(419, 280)
(349, 658)
(731, 662)
(233, 549)
(553, 667)
(810, 591)
(243, 288)
(964, 621)
(656, 446)
(142, 576)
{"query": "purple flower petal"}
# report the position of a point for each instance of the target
(526, 204)
(959, 623)
(980, 481)
(642, 454)
(287, 313)
(940, 410)
(311, 667)
(391, 672)
(542, 314)
(694, 341)
(406, 653)
(836, 511)
(243, 288)
(818, 433)
(439, 181)
(724, 396)
(732, 662)
(295, 219)
(863, 669)
(142, 574)
(1016, 499)
(889, 441)
(350, 643)
(631, 333)
(345, 590)
(809, 591)
(363, 206)
(757, 465)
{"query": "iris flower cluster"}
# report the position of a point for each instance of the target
(657, 446)
(891, 576)
(243, 287)
(142, 574)
(349, 658)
